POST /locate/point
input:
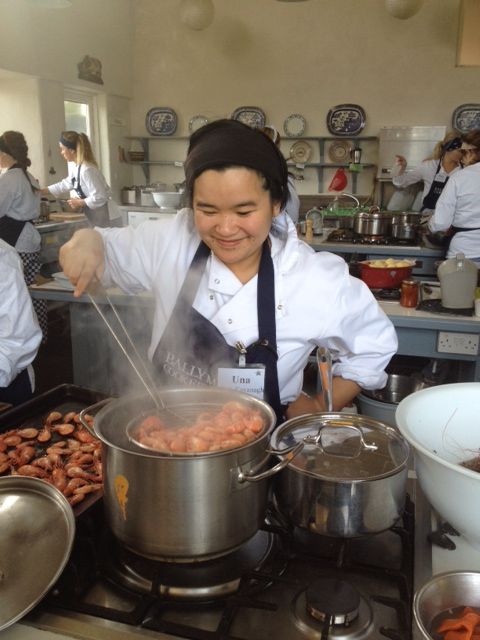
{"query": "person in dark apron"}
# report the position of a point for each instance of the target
(94, 195)
(240, 301)
(438, 184)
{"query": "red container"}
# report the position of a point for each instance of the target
(383, 277)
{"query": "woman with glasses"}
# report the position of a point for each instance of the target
(458, 208)
(434, 172)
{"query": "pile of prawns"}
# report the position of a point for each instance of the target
(61, 452)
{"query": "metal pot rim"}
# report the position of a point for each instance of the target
(129, 445)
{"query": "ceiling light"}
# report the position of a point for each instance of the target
(403, 9)
(197, 14)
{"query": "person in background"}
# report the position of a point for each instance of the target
(20, 334)
(94, 196)
(292, 207)
(458, 208)
(228, 281)
(19, 206)
(434, 172)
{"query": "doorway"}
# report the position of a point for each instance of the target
(81, 115)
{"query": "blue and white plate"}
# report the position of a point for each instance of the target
(294, 125)
(346, 120)
(466, 117)
(161, 121)
(196, 122)
(253, 116)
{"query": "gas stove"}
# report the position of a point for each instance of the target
(352, 237)
(284, 583)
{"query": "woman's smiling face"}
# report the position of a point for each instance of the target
(233, 214)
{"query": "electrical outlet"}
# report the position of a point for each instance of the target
(464, 344)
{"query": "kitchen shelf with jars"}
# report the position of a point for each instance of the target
(331, 153)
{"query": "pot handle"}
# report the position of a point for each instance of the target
(287, 454)
(93, 408)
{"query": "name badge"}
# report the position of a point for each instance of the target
(249, 379)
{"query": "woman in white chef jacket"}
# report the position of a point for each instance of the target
(230, 279)
(19, 207)
(433, 172)
(458, 208)
(94, 196)
(20, 334)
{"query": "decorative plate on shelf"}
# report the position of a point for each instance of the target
(196, 122)
(339, 151)
(161, 121)
(253, 116)
(300, 152)
(346, 120)
(466, 117)
(294, 125)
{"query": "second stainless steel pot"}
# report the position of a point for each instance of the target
(188, 507)
(350, 478)
(373, 222)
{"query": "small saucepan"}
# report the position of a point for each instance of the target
(350, 478)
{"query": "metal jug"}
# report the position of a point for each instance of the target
(458, 279)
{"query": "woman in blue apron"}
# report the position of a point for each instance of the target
(20, 334)
(433, 172)
(240, 301)
(19, 207)
(94, 196)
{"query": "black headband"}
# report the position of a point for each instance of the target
(452, 145)
(66, 143)
(230, 143)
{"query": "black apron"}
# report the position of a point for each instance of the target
(18, 391)
(454, 230)
(10, 228)
(436, 188)
(96, 217)
(192, 348)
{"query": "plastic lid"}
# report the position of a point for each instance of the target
(36, 537)
(342, 447)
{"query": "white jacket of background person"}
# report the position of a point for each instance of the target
(317, 301)
(459, 205)
(20, 334)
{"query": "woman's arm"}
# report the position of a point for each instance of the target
(94, 186)
(408, 178)
(442, 218)
(343, 392)
(20, 334)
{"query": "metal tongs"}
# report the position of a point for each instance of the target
(139, 367)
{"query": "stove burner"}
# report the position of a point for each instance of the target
(199, 580)
(332, 599)
(357, 627)
(386, 294)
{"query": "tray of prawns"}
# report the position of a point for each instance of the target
(44, 438)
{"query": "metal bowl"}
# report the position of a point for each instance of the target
(445, 591)
(397, 388)
(167, 199)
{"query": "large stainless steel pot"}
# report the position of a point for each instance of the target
(350, 478)
(410, 217)
(373, 222)
(179, 508)
(404, 230)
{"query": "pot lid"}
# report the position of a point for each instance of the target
(37, 532)
(342, 447)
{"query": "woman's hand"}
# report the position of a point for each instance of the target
(82, 259)
(76, 203)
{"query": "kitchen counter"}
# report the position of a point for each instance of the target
(417, 333)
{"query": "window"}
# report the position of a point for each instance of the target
(77, 117)
(81, 115)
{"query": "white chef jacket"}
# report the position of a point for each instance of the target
(459, 205)
(425, 172)
(317, 301)
(20, 334)
(18, 201)
(92, 182)
(292, 208)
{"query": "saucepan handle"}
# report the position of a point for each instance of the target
(287, 456)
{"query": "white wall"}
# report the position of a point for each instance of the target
(301, 57)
